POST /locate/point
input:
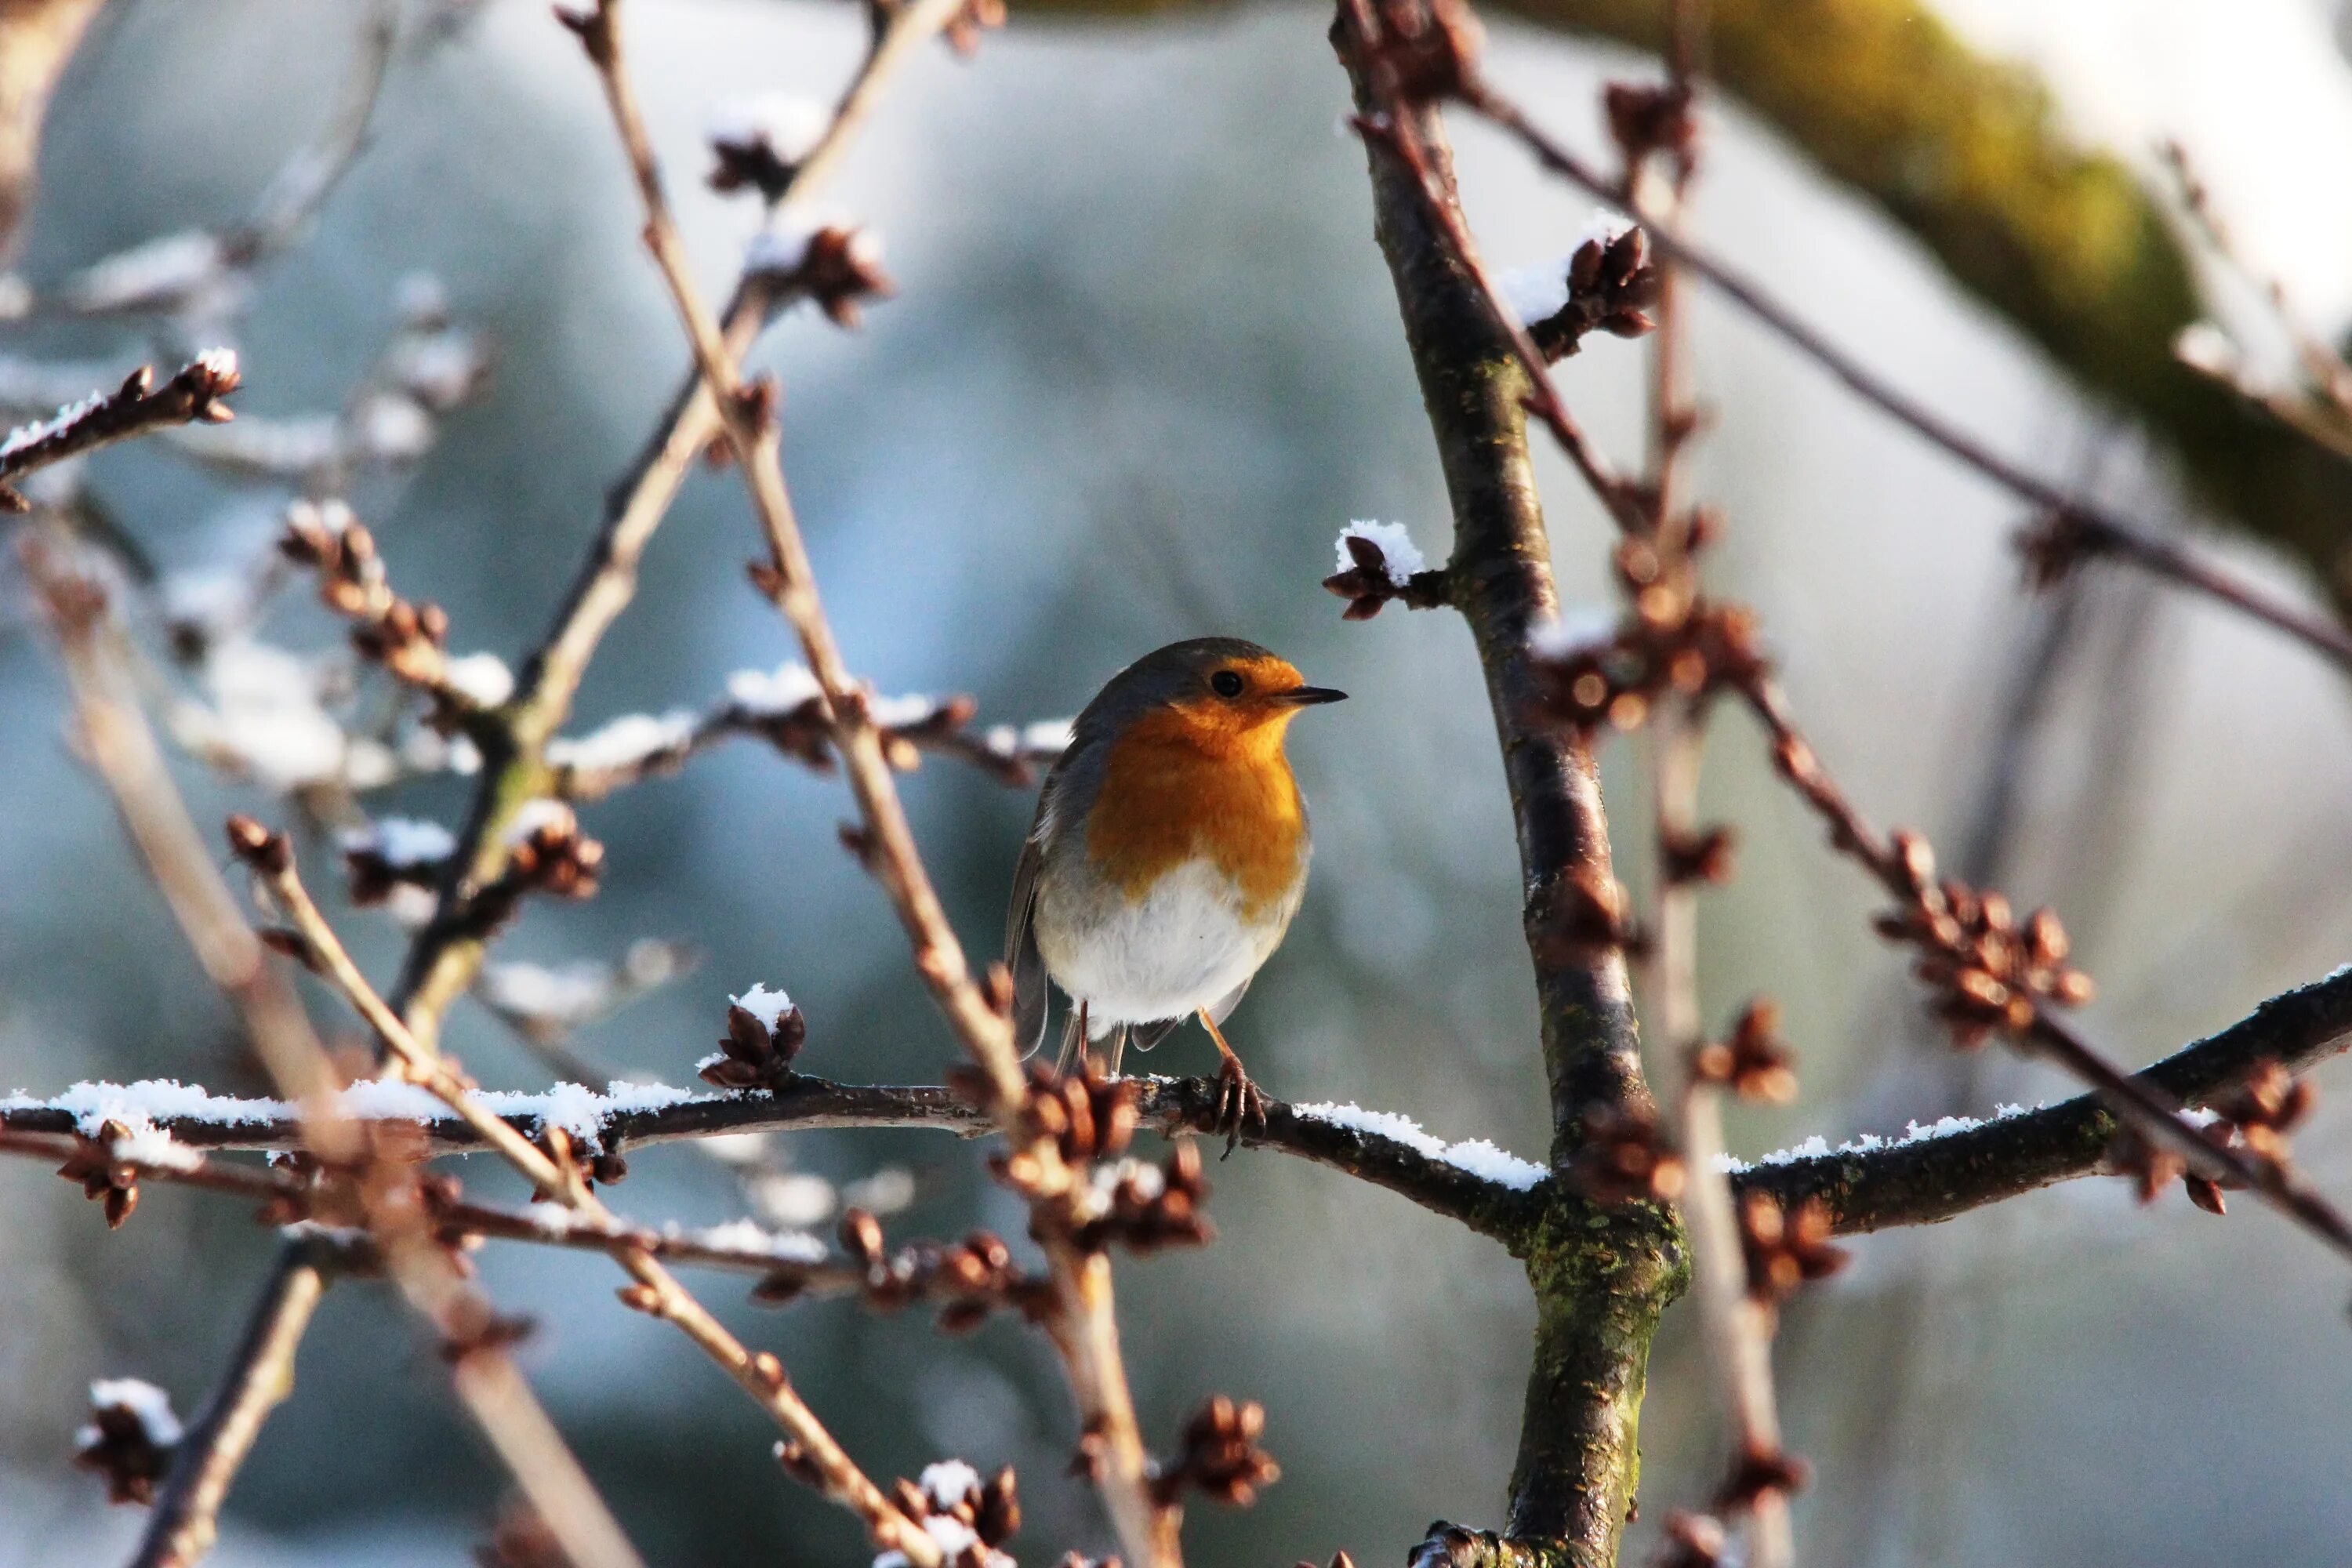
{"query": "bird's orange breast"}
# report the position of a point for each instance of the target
(1171, 793)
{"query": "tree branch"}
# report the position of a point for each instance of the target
(1930, 1179)
(1601, 1276)
(2080, 530)
(181, 1527)
(135, 408)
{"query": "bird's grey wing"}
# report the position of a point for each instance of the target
(1146, 1036)
(1222, 1008)
(1143, 1037)
(1030, 995)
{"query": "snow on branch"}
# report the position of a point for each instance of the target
(786, 708)
(133, 408)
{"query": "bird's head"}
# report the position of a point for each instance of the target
(1217, 692)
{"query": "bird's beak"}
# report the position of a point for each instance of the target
(1307, 696)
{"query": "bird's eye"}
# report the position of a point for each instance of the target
(1225, 684)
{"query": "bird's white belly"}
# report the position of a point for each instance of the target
(1181, 946)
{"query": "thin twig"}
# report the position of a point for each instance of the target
(2098, 530)
(133, 408)
(1739, 1327)
(2142, 1105)
(817, 1453)
(124, 752)
(1084, 1320)
(181, 1525)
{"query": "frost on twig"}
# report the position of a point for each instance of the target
(786, 708)
(133, 408)
(1379, 562)
(1607, 284)
(388, 423)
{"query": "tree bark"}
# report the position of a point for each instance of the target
(1600, 1277)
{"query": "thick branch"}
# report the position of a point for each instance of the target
(1932, 1179)
(1600, 1277)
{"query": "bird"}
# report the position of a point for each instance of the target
(1167, 858)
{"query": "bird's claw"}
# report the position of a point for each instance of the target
(1238, 1101)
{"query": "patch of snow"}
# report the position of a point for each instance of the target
(150, 1404)
(626, 741)
(1477, 1156)
(1539, 291)
(148, 1145)
(1577, 628)
(265, 718)
(1400, 559)
(783, 246)
(900, 712)
(768, 1006)
(1818, 1147)
(768, 694)
(402, 842)
(535, 814)
(570, 995)
(788, 124)
(953, 1538)
(750, 1235)
(482, 679)
(551, 1219)
(948, 1482)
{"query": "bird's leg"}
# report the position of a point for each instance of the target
(1074, 1038)
(1117, 1050)
(1237, 1097)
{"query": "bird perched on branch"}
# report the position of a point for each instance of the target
(1169, 854)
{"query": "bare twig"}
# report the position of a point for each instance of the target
(122, 750)
(1738, 1326)
(2094, 531)
(181, 1527)
(815, 1453)
(2028, 1015)
(1083, 1322)
(135, 408)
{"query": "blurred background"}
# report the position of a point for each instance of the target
(1142, 364)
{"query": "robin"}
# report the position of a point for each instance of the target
(1168, 855)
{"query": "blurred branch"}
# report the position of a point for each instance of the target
(1738, 1326)
(38, 39)
(584, 770)
(135, 409)
(549, 1165)
(122, 750)
(181, 1527)
(198, 275)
